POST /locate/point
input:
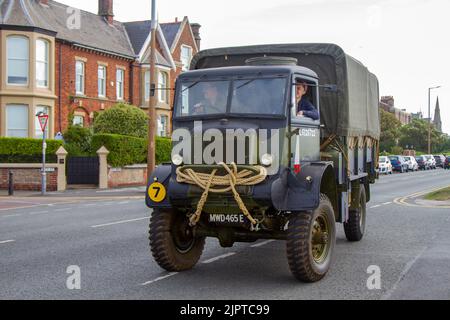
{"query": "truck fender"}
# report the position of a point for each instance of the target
(301, 192)
(162, 175)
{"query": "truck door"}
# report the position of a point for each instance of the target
(305, 142)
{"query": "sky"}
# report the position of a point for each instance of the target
(403, 42)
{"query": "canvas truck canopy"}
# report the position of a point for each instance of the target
(351, 111)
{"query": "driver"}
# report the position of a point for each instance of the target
(213, 102)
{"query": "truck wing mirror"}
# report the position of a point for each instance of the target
(330, 88)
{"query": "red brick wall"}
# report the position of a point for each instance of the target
(28, 179)
(91, 102)
(186, 39)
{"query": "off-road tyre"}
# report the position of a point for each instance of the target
(356, 225)
(299, 244)
(168, 249)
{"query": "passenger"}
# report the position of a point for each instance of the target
(304, 107)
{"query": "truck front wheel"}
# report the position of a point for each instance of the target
(355, 226)
(310, 242)
(172, 241)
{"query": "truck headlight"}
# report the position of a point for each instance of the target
(177, 160)
(267, 160)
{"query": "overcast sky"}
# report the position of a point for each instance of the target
(404, 42)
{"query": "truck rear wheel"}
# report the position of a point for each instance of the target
(356, 225)
(310, 242)
(172, 241)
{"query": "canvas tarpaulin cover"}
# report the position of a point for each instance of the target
(351, 111)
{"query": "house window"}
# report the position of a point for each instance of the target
(162, 125)
(186, 57)
(42, 57)
(79, 71)
(120, 76)
(17, 121)
(147, 85)
(18, 52)
(37, 127)
(102, 81)
(78, 121)
(162, 87)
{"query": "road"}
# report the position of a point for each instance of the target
(107, 240)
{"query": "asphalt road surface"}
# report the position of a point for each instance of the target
(107, 240)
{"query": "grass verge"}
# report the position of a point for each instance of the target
(440, 195)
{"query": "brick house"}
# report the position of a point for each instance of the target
(73, 64)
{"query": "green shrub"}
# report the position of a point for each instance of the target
(23, 150)
(126, 150)
(78, 141)
(122, 119)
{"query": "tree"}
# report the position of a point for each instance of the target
(390, 129)
(122, 119)
(416, 134)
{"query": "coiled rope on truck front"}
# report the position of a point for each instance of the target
(221, 184)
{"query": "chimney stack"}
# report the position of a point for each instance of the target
(196, 31)
(105, 10)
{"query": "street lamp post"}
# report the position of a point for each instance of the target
(429, 117)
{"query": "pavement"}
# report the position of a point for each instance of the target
(107, 242)
(30, 199)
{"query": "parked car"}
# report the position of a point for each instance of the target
(423, 163)
(440, 161)
(412, 163)
(398, 163)
(447, 163)
(385, 166)
(431, 161)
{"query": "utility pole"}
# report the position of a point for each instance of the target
(429, 117)
(151, 162)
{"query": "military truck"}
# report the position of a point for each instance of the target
(292, 183)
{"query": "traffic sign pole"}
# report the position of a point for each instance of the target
(44, 174)
(43, 121)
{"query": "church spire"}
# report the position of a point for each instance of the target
(437, 117)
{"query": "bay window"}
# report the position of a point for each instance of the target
(18, 53)
(17, 121)
(42, 64)
(162, 87)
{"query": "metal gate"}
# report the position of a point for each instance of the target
(83, 170)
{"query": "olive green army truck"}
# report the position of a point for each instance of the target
(246, 165)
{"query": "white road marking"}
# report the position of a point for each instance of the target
(408, 266)
(219, 258)
(262, 244)
(119, 222)
(377, 206)
(12, 216)
(64, 209)
(38, 212)
(159, 279)
(387, 203)
(7, 241)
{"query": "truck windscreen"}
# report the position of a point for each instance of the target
(256, 96)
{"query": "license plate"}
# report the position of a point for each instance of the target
(228, 219)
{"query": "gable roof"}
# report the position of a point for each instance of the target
(94, 31)
(171, 31)
(138, 32)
